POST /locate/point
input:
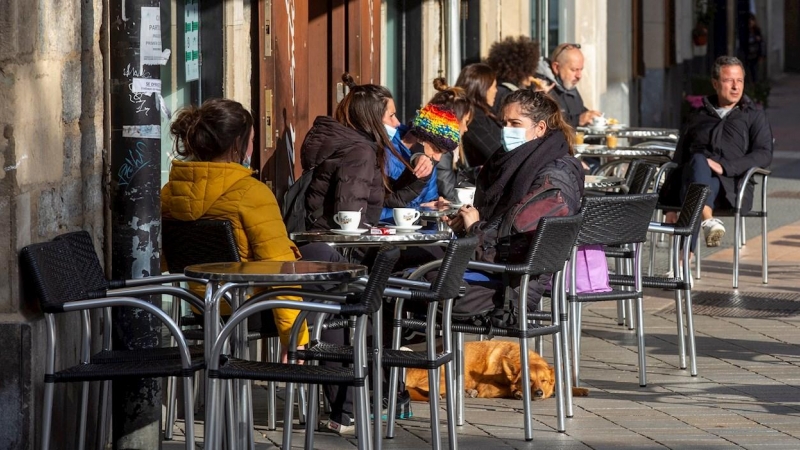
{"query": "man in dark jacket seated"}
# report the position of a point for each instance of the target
(718, 145)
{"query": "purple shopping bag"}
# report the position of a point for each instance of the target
(591, 270)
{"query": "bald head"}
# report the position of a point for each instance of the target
(567, 64)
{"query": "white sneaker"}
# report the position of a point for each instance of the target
(338, 428)
(713, 230)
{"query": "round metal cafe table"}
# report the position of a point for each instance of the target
(236, 278)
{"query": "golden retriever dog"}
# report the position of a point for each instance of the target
(492, 370)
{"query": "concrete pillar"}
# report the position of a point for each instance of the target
(585, 22)
(500, 19)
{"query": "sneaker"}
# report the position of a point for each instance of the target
(713, 230)
(403, 409)
(347, 427)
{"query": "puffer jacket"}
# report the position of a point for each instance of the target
(346, 174)
(556, 191)
(227, 191)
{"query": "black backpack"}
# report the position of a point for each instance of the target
(294, 204)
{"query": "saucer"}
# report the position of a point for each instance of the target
(598, 130)
(617, 126)
(356, 232)
(405, 229)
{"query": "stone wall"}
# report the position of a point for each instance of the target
(51, 182)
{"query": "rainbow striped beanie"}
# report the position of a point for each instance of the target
(438, 125)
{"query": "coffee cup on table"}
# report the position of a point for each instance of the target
(599, 122)
(348, 220)
(405, 217)
(465, 195)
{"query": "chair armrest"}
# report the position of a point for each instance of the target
(181, 293)
(487, 267)
(158, 279)
(660, 227)
(106, 302)
(754, 171)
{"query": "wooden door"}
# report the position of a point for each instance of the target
(303, 49)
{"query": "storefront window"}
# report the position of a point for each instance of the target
(193, 72)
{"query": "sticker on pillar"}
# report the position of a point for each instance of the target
(150, 39)
(147, 86)
(142, 131)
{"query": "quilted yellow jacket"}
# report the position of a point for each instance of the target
(227, 191)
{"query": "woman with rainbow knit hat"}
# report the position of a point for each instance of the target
(417, 148)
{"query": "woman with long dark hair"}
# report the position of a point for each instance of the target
(483, 137)
(534, 175)
(347, 153)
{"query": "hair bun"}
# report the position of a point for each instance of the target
(440, 84)
(348, 80)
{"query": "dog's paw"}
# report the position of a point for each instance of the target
(471, 393)
(580, 392)
(518, 395)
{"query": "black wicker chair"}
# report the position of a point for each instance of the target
(687, 226)
(611, 220)
(51, 270)
(93, 277)
(444, 289)
(186, 243)
(540, 252)
(362, 305)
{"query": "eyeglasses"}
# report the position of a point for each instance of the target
(561, 49)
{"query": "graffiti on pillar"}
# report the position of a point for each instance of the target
(134, 162)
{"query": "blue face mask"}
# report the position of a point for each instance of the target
(391, 131)
(513, 138)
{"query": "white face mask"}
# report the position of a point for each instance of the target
(513, 137)
(391, 131)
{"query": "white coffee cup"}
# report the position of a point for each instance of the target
(599, 122)
(348, 220)
(465, 195)
(405, 217)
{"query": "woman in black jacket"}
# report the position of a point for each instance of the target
(534, 176)
(482, 138)
(347, 154)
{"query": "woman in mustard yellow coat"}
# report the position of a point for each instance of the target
(214, 181)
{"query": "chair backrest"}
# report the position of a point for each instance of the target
(692, 209)
(552, 244)
(454, 264)
(186, 243)
(372, 296)
(616, 219)
(82, 247)
(631, 171)
(642, 178)
(50, 270)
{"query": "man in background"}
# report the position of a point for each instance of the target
(563, 71)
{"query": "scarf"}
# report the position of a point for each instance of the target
(508, 176)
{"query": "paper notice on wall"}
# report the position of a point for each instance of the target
(191, 26)
(150, 53)
(146, 86)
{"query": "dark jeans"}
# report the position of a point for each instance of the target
(697, 170)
